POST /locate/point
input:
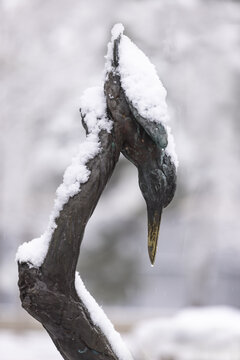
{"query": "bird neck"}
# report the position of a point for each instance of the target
(62, 256)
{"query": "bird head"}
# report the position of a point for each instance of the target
(157, 183)
(156, 175)
(144, 143)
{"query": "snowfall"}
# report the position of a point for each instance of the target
(191, 334)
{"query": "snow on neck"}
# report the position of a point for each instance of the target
(100, 319)
(141, 84)
(93, 107)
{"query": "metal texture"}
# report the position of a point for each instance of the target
(48, 293)
(144, 146)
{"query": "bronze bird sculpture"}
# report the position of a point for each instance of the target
(50, 290)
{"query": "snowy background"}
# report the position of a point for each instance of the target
(49, 53)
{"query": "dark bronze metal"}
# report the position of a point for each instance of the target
(48, 293)
(144, 146)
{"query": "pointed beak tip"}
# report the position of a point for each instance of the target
(154, 219)
(152, 260)
(152, 256)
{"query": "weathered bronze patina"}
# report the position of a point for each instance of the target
(48, 293)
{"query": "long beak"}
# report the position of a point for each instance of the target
(154, 220)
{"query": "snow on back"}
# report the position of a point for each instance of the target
(100, 319)
(141, 84)
(93, 107)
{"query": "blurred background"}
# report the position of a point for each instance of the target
(187, 305)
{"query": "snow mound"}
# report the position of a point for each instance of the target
(93, 108)
(196, 334)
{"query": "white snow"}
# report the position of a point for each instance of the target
(192, 334)
(27, 345)
(151, 105)
(93, 106)
(34, 252)
(141, 84)
(147, 94)
(117, 30)
(100, 319)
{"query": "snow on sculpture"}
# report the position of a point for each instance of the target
(93, 110)
(144, 90)
(129, 115)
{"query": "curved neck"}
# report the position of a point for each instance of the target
(48, 293)
(62, 256)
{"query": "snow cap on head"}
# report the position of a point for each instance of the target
(143, 89)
